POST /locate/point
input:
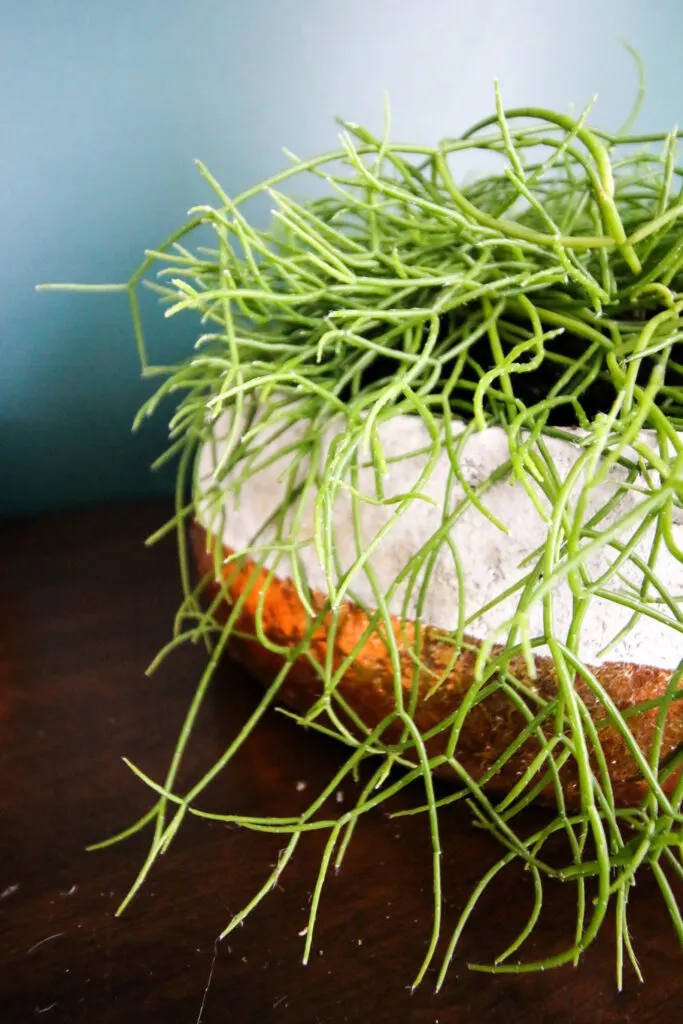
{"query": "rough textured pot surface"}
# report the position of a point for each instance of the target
(368, 685)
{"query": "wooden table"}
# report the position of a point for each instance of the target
(84, 607)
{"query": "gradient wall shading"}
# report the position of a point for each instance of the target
(105, 105)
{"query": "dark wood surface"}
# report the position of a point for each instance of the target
(84, 606)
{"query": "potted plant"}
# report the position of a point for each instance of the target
(430, 455)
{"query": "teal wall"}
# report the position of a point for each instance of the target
(104, 105)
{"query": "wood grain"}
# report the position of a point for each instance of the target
(83, 608)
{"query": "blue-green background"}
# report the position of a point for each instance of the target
(104, 105)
